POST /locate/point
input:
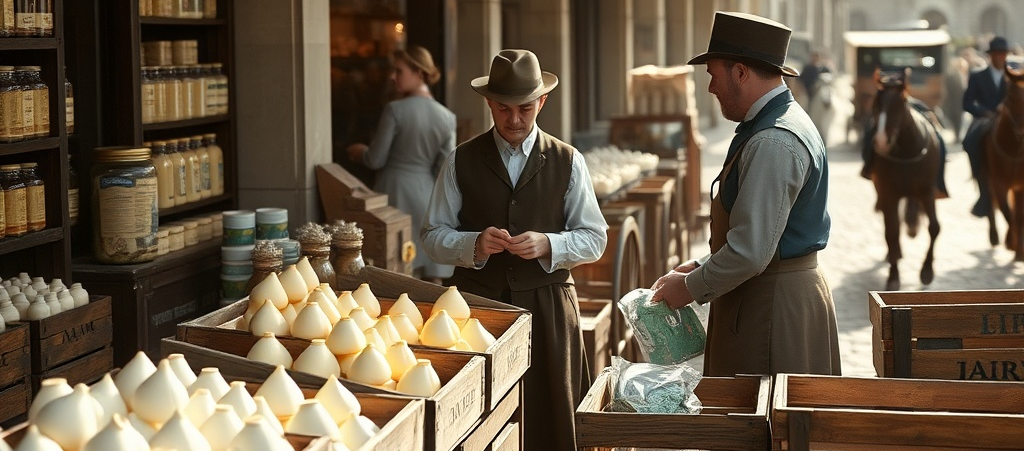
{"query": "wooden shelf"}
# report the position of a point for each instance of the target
(30, 145)
(14, 244)
(28, 43)
(187, 122)
(150, 20)
(164, 212)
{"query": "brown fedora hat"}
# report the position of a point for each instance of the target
(748, 38)
(515, 78)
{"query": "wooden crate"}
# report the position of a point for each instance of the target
(495, 422)
(85, 369)
(509, 439)
(507, 359)
(400, 418)
(856, 413)
(655, 193)
(734, 417)
(596, 322)
(15, 365)
(14, 402)
(948, 334)
(70, 335)
(13, 436)
(450, 413)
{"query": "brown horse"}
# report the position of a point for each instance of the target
(906, 146)
(1004, 154)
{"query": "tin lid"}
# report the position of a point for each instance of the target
(10, 167)
(29, 165)
(122, 153)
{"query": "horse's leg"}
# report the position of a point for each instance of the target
(912, 216)
(1002, 199)
(1018, 224)
(891, 217)
(927, 271)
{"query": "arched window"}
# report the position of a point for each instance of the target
(935, 19)
(993, 20)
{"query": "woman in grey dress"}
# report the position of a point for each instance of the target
(414, 137)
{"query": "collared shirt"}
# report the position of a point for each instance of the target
(763, 100)
(772, 169)
(582, 241)
(997, 75)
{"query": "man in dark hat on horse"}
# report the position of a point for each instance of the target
(514, 209)
(771, 308)
(985, 91)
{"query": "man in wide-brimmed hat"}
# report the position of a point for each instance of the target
(985, 91)
(771, 309)
(514, 209)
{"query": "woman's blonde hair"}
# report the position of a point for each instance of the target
(419, 58)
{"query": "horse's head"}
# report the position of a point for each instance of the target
(1013, 103)
(889, 110)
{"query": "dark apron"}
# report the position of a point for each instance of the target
(781, 320)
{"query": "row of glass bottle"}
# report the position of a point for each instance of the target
(23, 203)
(187, 169)
(184, 9)
(24, 18)
(172, 93)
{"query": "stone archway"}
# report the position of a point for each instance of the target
(993, 20)
(936, 19)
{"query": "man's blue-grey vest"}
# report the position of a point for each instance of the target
(807, 229)
(536, 204)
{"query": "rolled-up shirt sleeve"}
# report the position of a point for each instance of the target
(773, 168)
(441, 239)
(586, 231)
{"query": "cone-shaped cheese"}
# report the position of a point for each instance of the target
(400, 358)
(346, 303)
(329, 292)
(373, 337)
(200, 407)
(462, 345)
(313, 419)
(357, 430)
(370, 367)
(221, 428)
(117, 436)
(452, 301)
(405, 305)
(318, 360)
(405, 328)
(420, 380)
(439, 331)
(387, 330)
(338, 400)
(478, 338)
(179, 433)
(267, 415)
(211, 379)
(311, 323)
(281, 392)
(328, 306)
(306, 270)
(160, 396)
(239, 399)
(269, 350)
(362, 318)
(289, 314)
(366, 299)
(182, 370)
(345, 362)
(268, 319)
(293, 283)
(346, 338)
(257, 435)
(270, 288)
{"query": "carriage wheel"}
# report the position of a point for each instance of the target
(628, 274)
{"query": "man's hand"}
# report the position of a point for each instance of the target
(356, 151)
(687, 267)
(671, 288)
(491, 241)
(530, 245)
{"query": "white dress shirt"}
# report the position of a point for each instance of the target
(582, 241)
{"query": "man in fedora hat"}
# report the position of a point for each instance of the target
(514, 209)
(985, 91)
(771, 309)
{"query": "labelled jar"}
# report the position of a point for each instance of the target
(7, 24)
(35, 197)
(69, 104)
(204, 166)
(148, 96)
(166, 172)
(198, 93)
(44, 18)
(40, 100)
(15, 200)
(181, 168)
(192, 170)
(172, 94)
(216, 164)
(72, 192)
(191, 232)
(28, 102)
(185, 97)
(25, 17)
(124, 205)
(12, 126)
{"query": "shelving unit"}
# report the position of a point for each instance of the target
(184, 284)
(45, 253)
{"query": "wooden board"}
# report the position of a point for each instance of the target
(734, 417)
(450, 413)
(69, 335)
(508, 439)
(494, 422)
(15, 363)
(15, 400)
(596, 322)
(948, 334)
(853, 413)
(86, 369)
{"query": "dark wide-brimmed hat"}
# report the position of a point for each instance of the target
(748, 39)
(998, 44)
(515, 78)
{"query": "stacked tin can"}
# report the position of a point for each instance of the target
(272, 225)
(239, 238)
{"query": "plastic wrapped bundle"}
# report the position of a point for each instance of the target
(651, 388)
(666, 336)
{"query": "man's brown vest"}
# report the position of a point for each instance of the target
(535, 204)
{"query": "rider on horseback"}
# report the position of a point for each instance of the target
(985, 90)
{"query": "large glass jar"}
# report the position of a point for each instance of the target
(124, 205)
(40, 101)
(11, 119)
(174, 151)
(28, 102)
(166, 172)
(15, 200)
(216, 164)
(266, 258)
(347, 247)
(149, 96)
(203, 154)
(25, 17)
(315, 245)
(35, 197)
(185, 97)
(44, 18)
(193, 175)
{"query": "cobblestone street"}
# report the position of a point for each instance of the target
(854, 261)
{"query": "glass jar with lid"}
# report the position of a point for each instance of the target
(204, 166)
(174, 151)
(44, 18)
(192, 170)
(166, 171)
(40, 100)
(185, 97)
(7, 19)
(149, 97)
(172, 93)
(24, 17)
(216, 164)
(15, 200)
(198, 93)
(35, 197)
(266, 258)
(347, 247)
(28, 102)
(315, 245)
(69, 104)
(221, 82)
(72, 192)
(12, 127)
(124, 205)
